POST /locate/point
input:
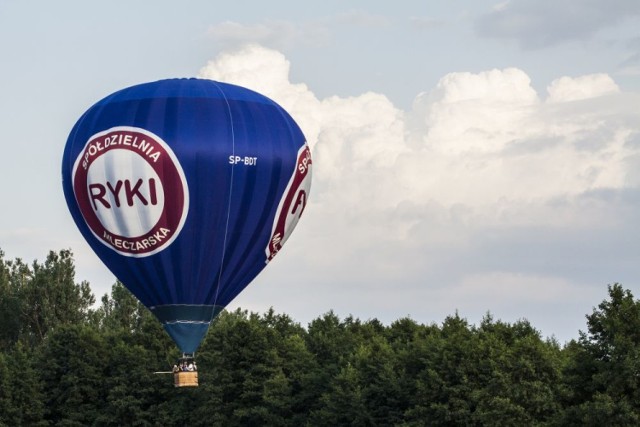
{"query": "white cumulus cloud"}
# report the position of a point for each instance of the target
(584, 87)
(452, 193)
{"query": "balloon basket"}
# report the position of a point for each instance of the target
(185, 379)
(185, 372)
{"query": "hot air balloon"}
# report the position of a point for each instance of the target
(186, 189)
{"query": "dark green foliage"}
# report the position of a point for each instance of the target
(21, 400)
(34, 300)
(602, 376)
(74, 367)
(12, 275)
(65, 362)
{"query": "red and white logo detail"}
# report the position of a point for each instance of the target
(131, 190)
(292, 203)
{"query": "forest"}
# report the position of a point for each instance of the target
(67, 359)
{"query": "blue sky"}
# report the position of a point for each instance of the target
(468, 155)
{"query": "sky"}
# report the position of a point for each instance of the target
(470, 156)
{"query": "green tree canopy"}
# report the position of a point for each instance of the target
(66, 361)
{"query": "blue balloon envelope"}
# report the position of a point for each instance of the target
(186, 189)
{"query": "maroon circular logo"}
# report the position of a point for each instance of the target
(131, 190)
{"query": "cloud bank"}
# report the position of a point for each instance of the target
(484, 196)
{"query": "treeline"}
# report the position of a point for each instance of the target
(66, 361)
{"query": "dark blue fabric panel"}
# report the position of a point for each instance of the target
(187, 335)
(185, 312)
